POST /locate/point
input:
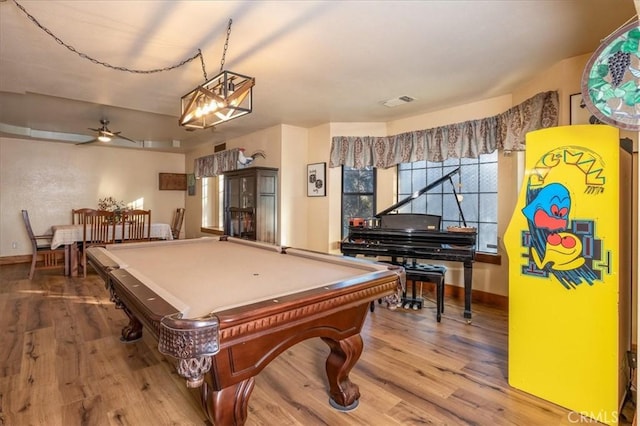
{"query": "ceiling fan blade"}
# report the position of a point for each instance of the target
(126, 138)
(119, 136)
(88, 142)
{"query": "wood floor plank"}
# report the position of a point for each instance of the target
(38, 355)
(62, 363)
(39, 312)
(153, 383)
(87, 411)
(32, 396)
(12, 319)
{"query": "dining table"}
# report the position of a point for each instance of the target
(70, 235)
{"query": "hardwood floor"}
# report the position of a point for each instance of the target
(61, 363)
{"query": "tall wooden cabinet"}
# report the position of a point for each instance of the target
(250, 204)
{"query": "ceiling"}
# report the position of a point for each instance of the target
(314, 61)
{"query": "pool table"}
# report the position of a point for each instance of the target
(224, 308)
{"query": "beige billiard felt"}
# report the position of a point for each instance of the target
(205, 275)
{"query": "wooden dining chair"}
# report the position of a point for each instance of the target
(99, 230)
(176, 225)
(136, 225)
(77, 215)
(41, 248)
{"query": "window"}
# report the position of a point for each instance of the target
(476, 185)
(358, 195)
(137, 204)
(220, 198)
(212, 202)
(206, 200)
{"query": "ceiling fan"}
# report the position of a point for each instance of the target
(105, 135)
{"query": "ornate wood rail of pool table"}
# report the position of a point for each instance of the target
(224, 352)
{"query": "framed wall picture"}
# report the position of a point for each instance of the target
(172, 181)
(579, 113)
(316, 183)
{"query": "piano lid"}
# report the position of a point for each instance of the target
(425, 189)
(428, 222)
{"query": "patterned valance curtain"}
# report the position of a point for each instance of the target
(468, 139)
(216, 164)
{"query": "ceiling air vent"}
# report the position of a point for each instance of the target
(398, 101)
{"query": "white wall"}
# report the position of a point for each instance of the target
(292, 178)
(320, 217)
(50, 179)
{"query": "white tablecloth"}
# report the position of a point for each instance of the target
(69, 234)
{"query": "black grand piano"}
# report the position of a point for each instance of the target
(409, 238)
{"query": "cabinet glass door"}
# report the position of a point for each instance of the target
(247, 192)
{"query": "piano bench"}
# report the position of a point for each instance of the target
(425, 272)
(422, 272)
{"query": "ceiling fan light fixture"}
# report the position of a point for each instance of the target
(103, 134)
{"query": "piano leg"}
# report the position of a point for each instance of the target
(468, 273)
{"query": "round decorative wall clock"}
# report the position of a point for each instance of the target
(610, 79)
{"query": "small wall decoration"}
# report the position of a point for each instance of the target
(316, 184)
(191, 184)
(579, 114)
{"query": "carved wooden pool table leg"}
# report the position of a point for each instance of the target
(133, 331)
(344, 355)
(227, 406)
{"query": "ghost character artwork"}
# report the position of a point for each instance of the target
(548, 215)
(550, 208)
